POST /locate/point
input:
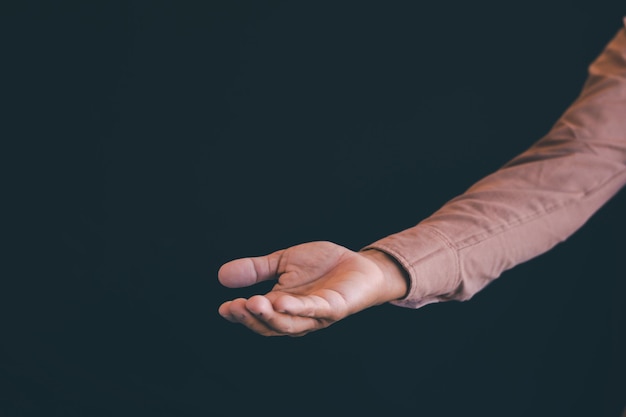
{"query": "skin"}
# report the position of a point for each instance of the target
(317, 284)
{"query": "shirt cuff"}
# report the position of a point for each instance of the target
(430, 261)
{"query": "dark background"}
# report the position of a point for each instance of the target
(150, 142)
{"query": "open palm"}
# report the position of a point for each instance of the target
(318, 283)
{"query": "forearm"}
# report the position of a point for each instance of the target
(534, 202)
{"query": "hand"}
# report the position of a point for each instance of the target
(318, 284)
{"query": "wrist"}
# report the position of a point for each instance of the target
(395, 276)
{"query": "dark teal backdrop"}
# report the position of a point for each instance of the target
(151, 142)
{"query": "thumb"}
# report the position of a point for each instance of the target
(248, 271)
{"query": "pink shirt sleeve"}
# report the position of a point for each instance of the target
(535, 201)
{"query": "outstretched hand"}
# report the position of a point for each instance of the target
(317, 284)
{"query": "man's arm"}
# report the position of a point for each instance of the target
(525, 208)
(535, 201)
